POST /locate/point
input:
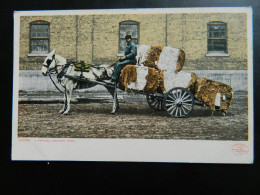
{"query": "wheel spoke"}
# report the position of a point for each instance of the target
(186, 107)
(161, 105)
(172, 109)
(171, 113)
(158, 104)
(176, 113)
(173, 97)
(183, 95)
(168, 104)
(184, 110)
(180, 111)
(187, 104)
(180, 93)
(155, 102)
(188, 96)
(177, 93)
(152, 104)
(170, 101)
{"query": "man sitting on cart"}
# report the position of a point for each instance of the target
(128, 58)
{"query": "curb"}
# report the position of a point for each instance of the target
(79, 100)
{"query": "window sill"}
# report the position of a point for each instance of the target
(217, 54)
(37, 54)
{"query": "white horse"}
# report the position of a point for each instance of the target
(65, 70)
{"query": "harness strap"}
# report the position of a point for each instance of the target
(82, 68)
(60, 75)
(63, 71)
(55, 84)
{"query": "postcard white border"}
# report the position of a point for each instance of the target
(132, 150)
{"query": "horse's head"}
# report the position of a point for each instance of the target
(49, 63)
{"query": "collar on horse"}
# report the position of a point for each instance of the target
(63, 71)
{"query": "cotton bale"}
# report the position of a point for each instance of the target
(161, 57)
(216, 95)
(141, 78)
(152, 80)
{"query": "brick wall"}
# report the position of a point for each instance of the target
(94, 38)
(64, 41)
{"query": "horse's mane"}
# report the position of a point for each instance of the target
(97, 66)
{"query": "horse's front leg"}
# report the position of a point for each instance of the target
(68, 99)
(113, 92)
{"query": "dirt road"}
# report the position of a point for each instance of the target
(134, 120)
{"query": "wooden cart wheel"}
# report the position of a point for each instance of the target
(178, 102)
(155, 102)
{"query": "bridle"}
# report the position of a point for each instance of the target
(48, 62)
(50, 71)
(54, 70)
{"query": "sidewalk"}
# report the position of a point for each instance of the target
(50, 97)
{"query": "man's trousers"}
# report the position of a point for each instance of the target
(119, 66)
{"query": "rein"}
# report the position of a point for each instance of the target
(114, 63)
(59, 75)
(54, 83)
(49, 73)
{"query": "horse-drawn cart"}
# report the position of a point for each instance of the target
(157, 76)
(177, 102)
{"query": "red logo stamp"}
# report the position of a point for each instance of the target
(240, 149)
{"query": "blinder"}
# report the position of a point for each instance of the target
(48, 62)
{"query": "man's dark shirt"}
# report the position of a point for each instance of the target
(130, 51)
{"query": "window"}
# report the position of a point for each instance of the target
(217, 37)
(128, 28)
(39, 37)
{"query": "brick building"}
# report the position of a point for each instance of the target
(211, 41)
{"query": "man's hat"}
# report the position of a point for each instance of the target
(128, 37)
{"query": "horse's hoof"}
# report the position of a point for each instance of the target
(65, 113)
(113, 112)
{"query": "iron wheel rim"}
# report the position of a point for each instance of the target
(178, 102)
